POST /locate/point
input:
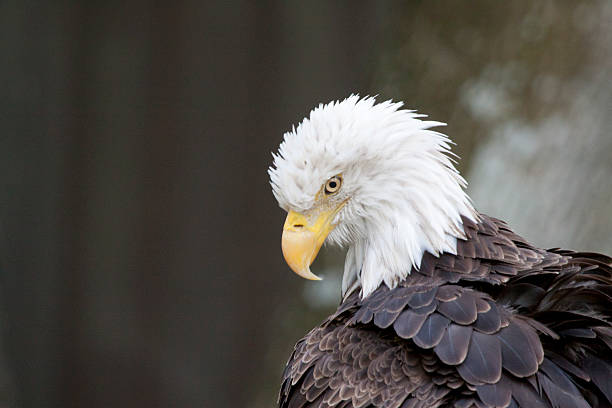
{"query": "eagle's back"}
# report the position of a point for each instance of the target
(500, 324)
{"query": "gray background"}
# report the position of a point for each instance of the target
(140, 263)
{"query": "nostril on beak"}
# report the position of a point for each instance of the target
(298, 226)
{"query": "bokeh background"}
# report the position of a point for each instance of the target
(139, 240)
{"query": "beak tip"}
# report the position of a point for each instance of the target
(307, 274)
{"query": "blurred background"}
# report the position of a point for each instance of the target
(140, 261)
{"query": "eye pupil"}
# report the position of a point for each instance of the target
(332, 184)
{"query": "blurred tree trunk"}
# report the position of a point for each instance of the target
(141, 259)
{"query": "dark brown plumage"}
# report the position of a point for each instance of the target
(500, 324)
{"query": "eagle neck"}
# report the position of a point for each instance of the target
(394, 244)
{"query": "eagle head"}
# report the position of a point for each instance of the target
(372, 177)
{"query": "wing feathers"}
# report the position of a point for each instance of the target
(499, 324)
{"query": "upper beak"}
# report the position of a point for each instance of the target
(302, 239)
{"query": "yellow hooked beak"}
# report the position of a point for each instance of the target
(302, 239)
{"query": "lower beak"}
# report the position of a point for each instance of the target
(302, 240)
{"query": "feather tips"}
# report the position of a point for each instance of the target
(448, 335)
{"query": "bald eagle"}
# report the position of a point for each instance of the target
(442, 306)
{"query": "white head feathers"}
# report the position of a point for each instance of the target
(404, 195)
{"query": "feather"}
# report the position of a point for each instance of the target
(518, 327)
(483, 361)
(464, 403)
(557, 396)
(463, 265)
(315, 392)
(378, 299)
(524, 295)
(518, 356)
(298, 400)
(495, 395)
(453, 346)
(542, 329)
(482, 306)
(466, 248)
(410, 403)
(428, 309)
(409, 323)
(488, 322)
(578, 332)
(461, 310)
(432, 331)
(513, 403)
(567, 366)
(398, 300)
(421, 299)
(559, 377)
(364, 315)
(600, 372)
(528, 330)
(428, 264)
(384, 318)
(605, 334)
(448, 292)
(526, 395)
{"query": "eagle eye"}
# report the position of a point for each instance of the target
(333, 185)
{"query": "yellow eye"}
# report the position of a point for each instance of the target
(333, 185)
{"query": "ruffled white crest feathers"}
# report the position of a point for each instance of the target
(404, 194)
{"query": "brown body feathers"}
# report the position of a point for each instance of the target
(500, 324)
